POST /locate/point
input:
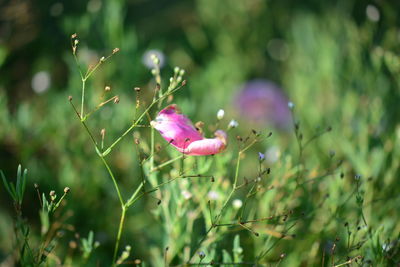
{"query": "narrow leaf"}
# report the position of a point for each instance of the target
(6, 185)
(18, 184)
(23, 184)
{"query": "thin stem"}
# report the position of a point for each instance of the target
(121, 226)
(121, 200)
(102, 158)
(151, 167)
(59, 201)
(233, 187)
(77, 64)
(130, 128)
(166, 163)
(224, 205)
(98, 107)
(133, 198)
(83, 96)
(136, 122)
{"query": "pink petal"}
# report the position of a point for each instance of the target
(207, 146)
(176, 128)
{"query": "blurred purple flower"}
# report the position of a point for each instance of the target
(263, 102)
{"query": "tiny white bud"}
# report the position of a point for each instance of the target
(181, 72)
(153, 71)
(176, 69)
(213, 195)
(171, 80)
(102, 59)
(220, 114)
(179, 79)
(155, 59)
(233, 124)
(186, 194)
(237, 203)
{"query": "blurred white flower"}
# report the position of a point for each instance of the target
(372, 13)
(220, 114)
(233, 124)
(56, 9)
(186, 194)
(94, 6)
(272, 154)
(148, 58)
(237, 204)
(213, 195)
(40, 82)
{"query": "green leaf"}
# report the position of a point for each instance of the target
(45, 221)
(237, 249)
(90, 238)
(23, 184)
(12, 187)
(226, 258)
(6, 185)
(105, 153)
(18, 184)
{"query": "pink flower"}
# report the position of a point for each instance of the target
(178, 130)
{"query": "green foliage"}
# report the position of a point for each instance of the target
(327, 194)
(16, 191)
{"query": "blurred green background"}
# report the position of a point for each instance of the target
(337, 61)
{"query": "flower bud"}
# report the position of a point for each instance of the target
(233, 124)
(237, 204)
(220, 114)
(202, 255)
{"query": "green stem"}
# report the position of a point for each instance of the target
(218, 217)
(133, 198)
(234, 187)
(165, 163)
(121, 226)
(135, 123)
(152, 149)
(83, 96)
(130, 128)
(121, 200)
